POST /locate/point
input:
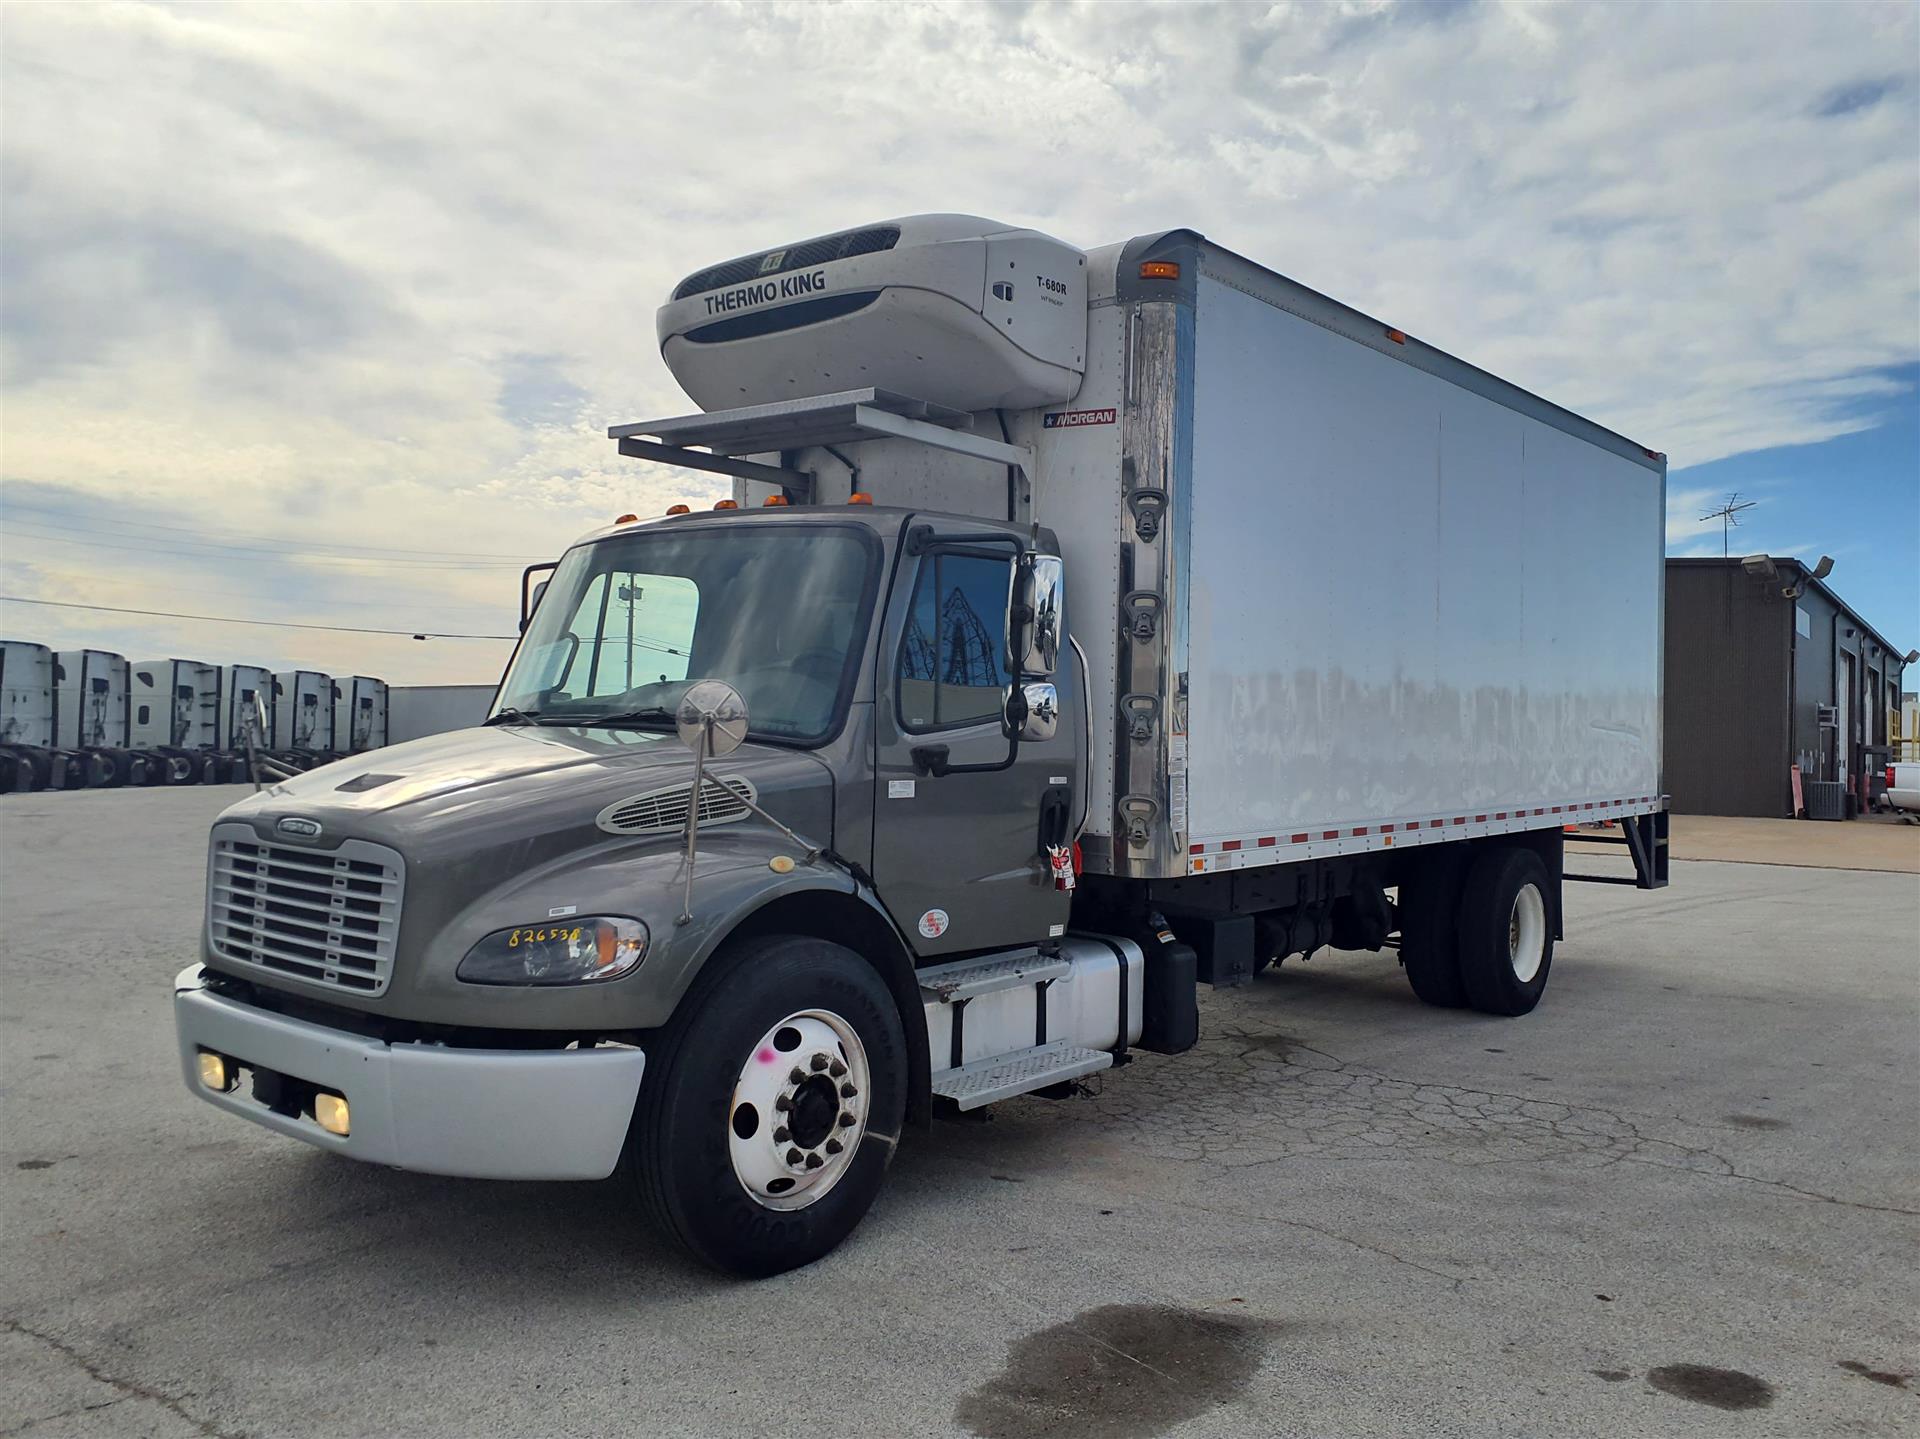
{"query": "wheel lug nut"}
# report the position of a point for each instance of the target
(781, 1136)
(834, 1146)
(836, 1069)
(847, 1091)
(814, 1161)
(819, 1063)
(793, 1156)
(783, 1104)
(798, 1076)
(846, 1121)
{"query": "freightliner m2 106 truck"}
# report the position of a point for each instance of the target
(1083, 626)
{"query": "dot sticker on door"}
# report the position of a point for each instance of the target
(933, 924)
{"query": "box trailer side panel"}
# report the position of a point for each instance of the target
(1407, 601)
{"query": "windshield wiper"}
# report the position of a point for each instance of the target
(639, 716)
(510, 715)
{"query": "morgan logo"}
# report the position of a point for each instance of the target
(296, 827)
(933, 924)
(1073, 419)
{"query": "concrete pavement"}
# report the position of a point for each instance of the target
(1681, 1197)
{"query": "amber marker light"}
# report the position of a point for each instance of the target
(1159, 270)
(679, 510)
(726, 504)
(858, 498)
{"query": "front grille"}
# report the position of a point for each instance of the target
(803, 256)
(326, 916)
(666, 809)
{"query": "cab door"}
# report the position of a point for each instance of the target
(958, 856)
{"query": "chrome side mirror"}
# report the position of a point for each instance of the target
(1032, 711)
(1034, 625)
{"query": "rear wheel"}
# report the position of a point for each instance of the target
(1506, 931)
(771, 1108)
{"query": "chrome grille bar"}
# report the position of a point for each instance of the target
(328, 917)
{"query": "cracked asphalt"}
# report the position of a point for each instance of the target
(1681, 1197)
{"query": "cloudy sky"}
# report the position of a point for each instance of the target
(319, 313)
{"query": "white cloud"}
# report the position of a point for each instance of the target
(382, 276)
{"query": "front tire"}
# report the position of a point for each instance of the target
(774, 1034)
(1506, 931)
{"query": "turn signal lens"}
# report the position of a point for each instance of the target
(774, 500)
(678, 510)
(857, 498)
(1159, 270)
(726, 504)
(330, 1113)
(215, 1073)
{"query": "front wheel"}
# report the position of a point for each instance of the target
(773, 1104)
(1506, 931)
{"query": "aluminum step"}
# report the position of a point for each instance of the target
(1025, 1070)
(969, 978)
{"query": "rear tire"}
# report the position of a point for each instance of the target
(695, 1142)
(1506, 931)
(1429, 942)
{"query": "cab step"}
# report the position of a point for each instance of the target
(971, 978)
(986, 1080)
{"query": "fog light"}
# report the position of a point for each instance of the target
(215, 1073)
(330, 1113)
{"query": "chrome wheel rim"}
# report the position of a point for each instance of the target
(799, 1110)
(1527, 934)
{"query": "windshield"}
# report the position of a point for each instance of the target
(626, 624)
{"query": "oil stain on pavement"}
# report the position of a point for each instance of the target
(1122, 1371)
(1717, 1388)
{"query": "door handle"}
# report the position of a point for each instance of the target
(931, 759)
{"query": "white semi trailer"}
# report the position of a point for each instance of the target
(1081, 623)
(302, 713)
(176, 717)
(359, 713)
(93, 709)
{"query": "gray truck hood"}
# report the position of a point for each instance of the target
(523, 786)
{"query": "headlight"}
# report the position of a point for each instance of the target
(596, 947)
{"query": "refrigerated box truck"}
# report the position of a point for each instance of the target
(1082, 625)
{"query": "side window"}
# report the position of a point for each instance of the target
(953, 668)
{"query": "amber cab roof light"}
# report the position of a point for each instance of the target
(679, 510)
(773, 500)
(859, 498)
(726, 504)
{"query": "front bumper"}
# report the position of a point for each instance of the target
(480, 1113)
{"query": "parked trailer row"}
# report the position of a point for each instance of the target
(89, 719)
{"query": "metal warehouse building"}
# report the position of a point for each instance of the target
(1768, 668)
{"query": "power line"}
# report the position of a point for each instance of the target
(194, 549)
(229, 620)
(126, 524)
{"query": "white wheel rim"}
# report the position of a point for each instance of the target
(1527, 934)
(805, 1082)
